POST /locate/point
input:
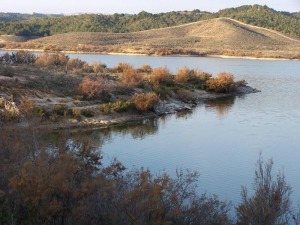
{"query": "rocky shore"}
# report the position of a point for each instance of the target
(99, 120)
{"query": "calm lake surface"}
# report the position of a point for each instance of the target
(222, 139)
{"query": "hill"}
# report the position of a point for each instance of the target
(221, 36)
(288, 23)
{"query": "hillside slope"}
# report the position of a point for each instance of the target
(47, 25)
(215, 36)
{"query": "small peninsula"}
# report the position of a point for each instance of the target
(61, 92)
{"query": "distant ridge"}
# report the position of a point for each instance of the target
(47, 25)
(220, 36)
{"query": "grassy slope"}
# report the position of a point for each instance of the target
(214, 36)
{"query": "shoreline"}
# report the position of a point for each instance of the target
(102, 120)
(145, 54)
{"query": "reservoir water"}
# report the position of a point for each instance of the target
(222, 140)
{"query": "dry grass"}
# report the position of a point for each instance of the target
(215, 36)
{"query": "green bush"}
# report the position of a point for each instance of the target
(118, 106)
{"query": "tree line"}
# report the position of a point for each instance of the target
(121, 23)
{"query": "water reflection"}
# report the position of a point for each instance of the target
(221, 105)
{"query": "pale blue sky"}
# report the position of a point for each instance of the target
(135, 6)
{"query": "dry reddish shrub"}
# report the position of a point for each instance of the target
(98, 67)
(120, 67)
(144, 102)
(145, 69)
(197, 75)
(161, 75)
(223, 83)
(74, 64)
(26, 106)
(89, 88)
(183, 75)
(194, 76)
(56, 59)
(131, 76)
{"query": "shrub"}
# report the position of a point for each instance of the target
(270, 203)
(75, 113)
(87, 68)
(24, 57)
(194, 76)
(224, 83)
(8, 116)
(144, 102)
(118, 106)
(106, 107)
(61, 110)
(131, 76)
(98, 67)
(120, 67)
(56, 59)
(26, 106)
(183, 75)
(161, 75)
(145, 69)
(122, 106)
(75, 64)
(89, 88)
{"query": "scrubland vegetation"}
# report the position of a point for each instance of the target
(54, 88)
(43, 25)
(65, 182)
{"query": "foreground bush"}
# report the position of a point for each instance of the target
(65, 182)
(144, 102)
(270, 204)
(223, 83)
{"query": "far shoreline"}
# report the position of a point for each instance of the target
(145, 54)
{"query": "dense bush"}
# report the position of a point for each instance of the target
(145, 69)
(223, 83)
(193, 76)
(144, 102)
(161, 75)
(55, 59)
(120, 67)
(131, 76)
(90, 88)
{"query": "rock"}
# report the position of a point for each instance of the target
(172, 106)
(245, 89)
